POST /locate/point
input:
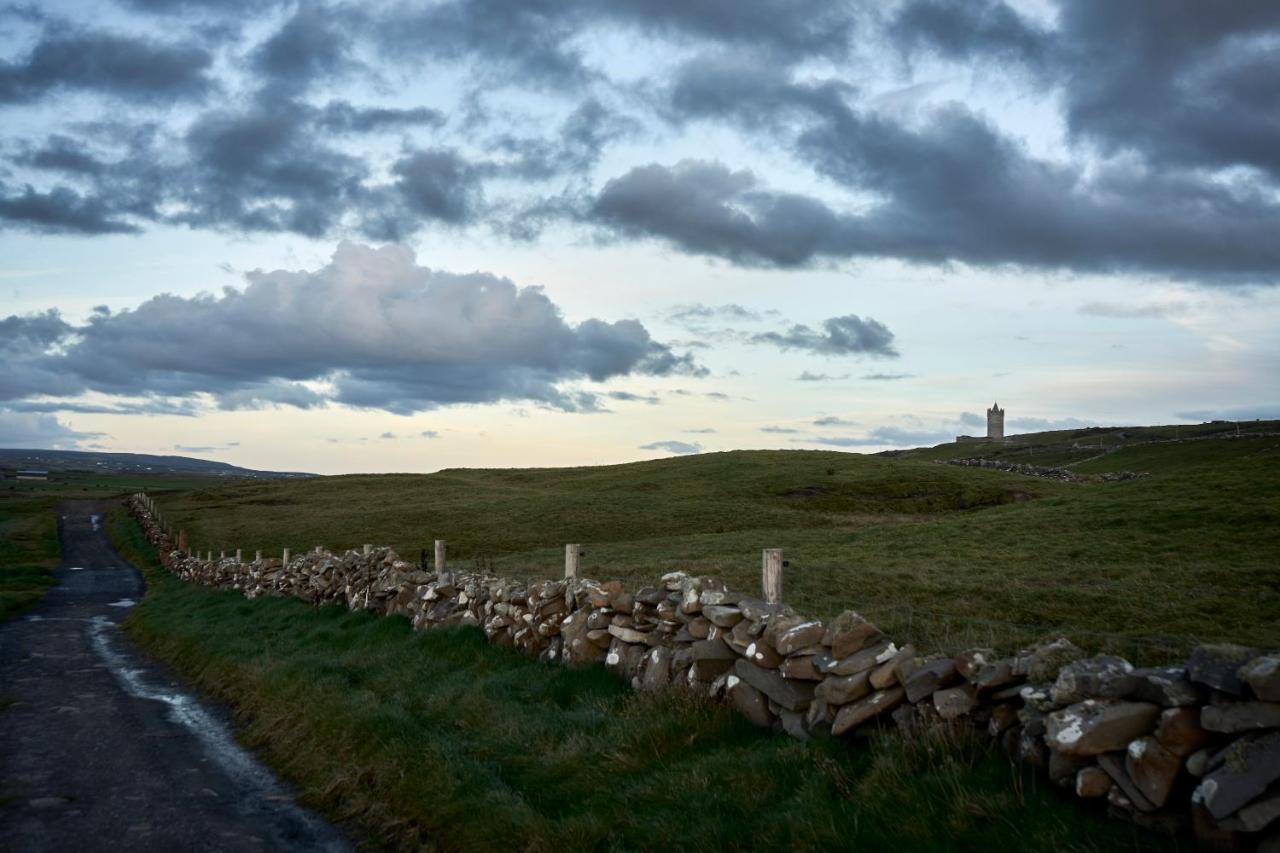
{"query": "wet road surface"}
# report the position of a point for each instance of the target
(101, 748)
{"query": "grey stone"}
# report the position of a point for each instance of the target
(1262, 674)
(792, 695)
(1152, 768)
(1180, 732)
(1256, 816)
(630, 635)
(841, 690)
(1249, 765)
(793, 724)
(954, 702)
(1167, 686)
(849, 633)
(1092, 782)
(1218, 666)
(895, 669)
(748, 701)
(1198, 762)
(722, 615)
(801, 667)
(1102, 677)
(930, 677)
(969, 662)
(799, 636)
(1042, 662)
(762, 654)
(712, 650)
(851, 716)
(1093, 727)
(1237, 717)
(1063, 768)
(657, 670)
(864, 659)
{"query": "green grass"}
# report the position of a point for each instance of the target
(439, 740)
(28, 552)
(941, 555)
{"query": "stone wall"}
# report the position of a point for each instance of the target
(1191, 747)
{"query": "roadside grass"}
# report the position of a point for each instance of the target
(439, 740)
(940, 555)
(28, 552)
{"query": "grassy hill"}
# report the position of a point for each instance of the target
(940, 554)
(94, 462)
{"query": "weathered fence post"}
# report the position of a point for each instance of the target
(771, 575)
(440, 556)
(239, 556)
(319, 550)
(257, 556)
(182, 540)
(572, 559)
(209, 558)
(368, 549)
(222, 555)
(285, 558)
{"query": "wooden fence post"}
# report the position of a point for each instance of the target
(771, 575)
(441, 554)
(368, 549)
(257, 556)
(285, 558)
(572, 559)
(182, 540)
(239, 556)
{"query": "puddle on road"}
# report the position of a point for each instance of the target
(260, 793)
(93, 519)
(76, 569)
(124, 602)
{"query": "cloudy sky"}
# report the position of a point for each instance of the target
(408, 236)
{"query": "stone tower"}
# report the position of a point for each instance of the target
(995, 423)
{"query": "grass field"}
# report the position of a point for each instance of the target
(438, 740)
(28, 551)
(938, 554)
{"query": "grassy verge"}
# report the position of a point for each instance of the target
(442, 741)
(28, 551)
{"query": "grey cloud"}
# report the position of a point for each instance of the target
(130, 67)
(702, 431)
(807, 376)
(344, 117)
(314, 43)
(628, 397)
(439, 184)
(778, 430)
(61, 210)
(885, 377)
(27, 429)
(972, 419)
(847, 335)
(897, 436)
(987, 29)
(374, 327)
(387, 435)
(145, 407)
(1046, 424)
(430, 433)
(697, 314)
(676, 447)
(1147, 310)
(833, 420)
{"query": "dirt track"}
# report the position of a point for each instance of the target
(100, 747)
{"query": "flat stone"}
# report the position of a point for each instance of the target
(799, 636)
(1218, 666)
(1262, 674)
(1101, 677)
(793, 724)
(722, 615)
(818, 718)
(995, 675)
(748, 701)
(1180, 732)
(1249, 766)
(630, 635)
(699, 627)
(708, 669)
(1093, 727)
(864, 659)
(1256, 816)
(1114, 765)
(1237, 717)
(792, 695)
(712, 650)
(852, 716)
(1063, 768)
(1152, 768)
(849, 633)
(1092, 782)
(841, 690)
(1168, 686)
(954, 702)
(657, 670)
(930, 677)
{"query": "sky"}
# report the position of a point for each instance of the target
(394, 236)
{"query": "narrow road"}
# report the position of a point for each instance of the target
(100, 748)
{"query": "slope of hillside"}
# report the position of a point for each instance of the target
(937, 553)
(126, 463)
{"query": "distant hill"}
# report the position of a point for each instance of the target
(12, 459)
(1098, 449)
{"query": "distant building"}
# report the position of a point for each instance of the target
(995, 427)
(32, 474)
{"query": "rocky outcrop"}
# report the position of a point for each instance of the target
(1191, 747)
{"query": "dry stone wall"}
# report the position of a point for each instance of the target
(1187, 747)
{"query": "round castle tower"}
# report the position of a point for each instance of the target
(995, 423)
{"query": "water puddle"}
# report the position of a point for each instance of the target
(76, 569)
(124, 602)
